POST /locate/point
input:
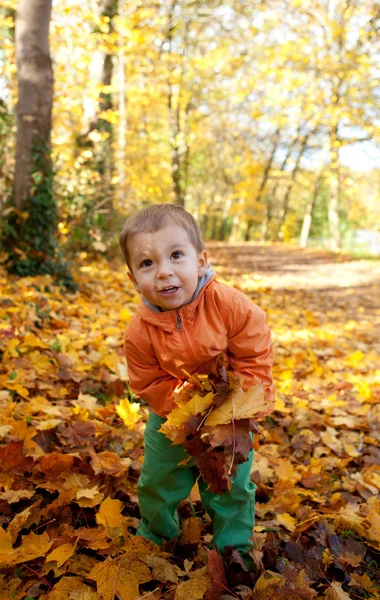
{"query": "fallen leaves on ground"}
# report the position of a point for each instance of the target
(71, 448)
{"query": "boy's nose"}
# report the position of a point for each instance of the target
(165, 270)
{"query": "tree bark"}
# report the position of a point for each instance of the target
(285, 202)
(35, 85)
(175, 129)
(105, 157)
(333, 200)
(272, 196)
(264, 181)
(306, 223)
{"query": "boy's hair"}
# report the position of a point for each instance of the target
(153, 218)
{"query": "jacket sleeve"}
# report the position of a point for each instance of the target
(250, 347)
(147, 378)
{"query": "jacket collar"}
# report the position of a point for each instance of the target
(167, 320)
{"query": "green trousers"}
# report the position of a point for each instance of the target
(163, 484)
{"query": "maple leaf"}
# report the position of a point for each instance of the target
(61, 554)
(191, 590)
(191, 531)
(5, 543)
(239, 405)
(162, 569)
(72, 588)
(33, 546)
(218, 575)
(211, 463)
(109, 463)
(129, 412)
(336, 592)
(173, 426)
(12, 496)
(120, 576)
(109, 513)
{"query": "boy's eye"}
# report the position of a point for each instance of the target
(146, 263)
(177, 254)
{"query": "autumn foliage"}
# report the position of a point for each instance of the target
(71, 448)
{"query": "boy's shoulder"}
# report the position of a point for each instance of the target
(226, 293)
(135, 328)
(232, 301)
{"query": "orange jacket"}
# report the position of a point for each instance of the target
(158, 345)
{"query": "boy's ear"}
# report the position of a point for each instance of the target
(131, 277)
(202, 263)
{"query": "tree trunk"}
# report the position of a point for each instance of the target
(306, 223)
(122, 184)
(177, 138)
(35, 84)
(29, 239)
(264, 181)
(285, 202)
(272, 196)
(105, 157)
(333, 201)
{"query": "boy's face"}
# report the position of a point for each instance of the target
(166, 266)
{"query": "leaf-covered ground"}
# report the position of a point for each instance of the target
(71, 443)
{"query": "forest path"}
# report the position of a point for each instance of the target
(284, 266)
(342, 291)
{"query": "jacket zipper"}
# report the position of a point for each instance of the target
(179, 327)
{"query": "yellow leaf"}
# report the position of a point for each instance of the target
(33, 546)
(193, 589)
(61, 554)
(32, 341)
(111, 360)
(72, 588)
(125, 315)
(239, 405)
(109, 513)
(129, 412)
(120, 577)
(355, 359)
(178, 416)
(287, 521)
(10, 350)
(5, 542)
(89, 500)
(335, 592)
(286, 472)
(327, 558)
(12, 496)
(48, 424)
(268, 580)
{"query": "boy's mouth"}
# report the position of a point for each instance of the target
(169, 290)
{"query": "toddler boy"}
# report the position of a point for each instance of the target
(185, 319)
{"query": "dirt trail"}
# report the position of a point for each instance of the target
(342, 291)
(279, 266)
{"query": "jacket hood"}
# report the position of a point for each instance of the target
(167, 320)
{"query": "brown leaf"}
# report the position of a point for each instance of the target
(162, 569)
(191, 531)
(217, 572)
